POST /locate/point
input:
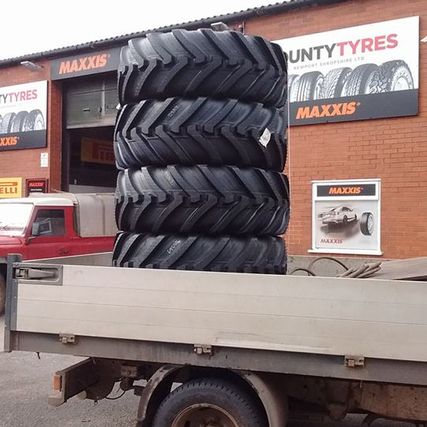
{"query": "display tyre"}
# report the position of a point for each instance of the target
(222, 64)
(2, 293)
(6, 124)
(18, 122)
(202, 199)
(367, 223)
(394, 76)
(334, 81)
(34, 121)
(363, 80)
(209, 402)
(200, 131)
(201, 253)
(309, 86)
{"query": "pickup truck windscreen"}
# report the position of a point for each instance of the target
(14, 218)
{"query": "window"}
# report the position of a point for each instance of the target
(49, 222)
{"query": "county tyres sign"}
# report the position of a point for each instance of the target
(356, 73)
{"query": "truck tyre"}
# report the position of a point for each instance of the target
(201, 253)
(293, 89)
(367, 223)
(18, 122)
(6, 124)
(209, 402)
(309, 86)
(2, 293)
(223, 64)
(34, 121)
(394, 76)
(363, 80)
(200, 131)
(334, 82)
(202, 199)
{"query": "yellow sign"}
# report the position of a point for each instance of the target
(10, 187)
(97, 151)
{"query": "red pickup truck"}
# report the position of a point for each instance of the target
(54, 225)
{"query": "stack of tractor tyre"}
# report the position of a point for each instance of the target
(200, 142)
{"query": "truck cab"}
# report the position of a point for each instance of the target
(54, 225)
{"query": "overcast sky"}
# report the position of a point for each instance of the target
(30, 26)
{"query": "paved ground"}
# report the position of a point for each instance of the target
(25, 384)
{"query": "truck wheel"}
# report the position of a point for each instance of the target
(334, 82)
(34, 121)
(18, 122)
(367, 223)
(209, 402)
(394, 76)
(202, 199)
(223, 64)
(2, 293)
(200, 131)
(362, 80)
(6, 124)
(201, 253)
(310, 86)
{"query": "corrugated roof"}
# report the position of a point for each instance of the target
(199, 23)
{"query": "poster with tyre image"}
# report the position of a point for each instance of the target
(357, 73)
(346, 217)
(23, 116)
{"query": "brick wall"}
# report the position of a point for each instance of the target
(26, 163)
(394, 150)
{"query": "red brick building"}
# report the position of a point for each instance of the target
(81, 105)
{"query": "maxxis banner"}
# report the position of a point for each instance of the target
(356, 73)
(23, 116)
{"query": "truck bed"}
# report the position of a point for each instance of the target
(149, 312)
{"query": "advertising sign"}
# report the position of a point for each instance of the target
(10, 187)
(36, 186)
(356, 73)
(83, 65)
(23, 116)
(346, 217)
(97, 151)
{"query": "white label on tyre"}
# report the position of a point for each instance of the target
(265, 137)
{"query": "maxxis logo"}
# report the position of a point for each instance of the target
(84, 63)
(327, 110)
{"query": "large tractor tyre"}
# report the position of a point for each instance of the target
(394, 76)
(34, 121)
(334, 81)
(367, 224)
(224, 64)
(7, 122)
(201, 253)
(210, 402)
(363, 80)
(18, 122)
(202, 199)
(309, 86)
(200, 131)
(2, 293)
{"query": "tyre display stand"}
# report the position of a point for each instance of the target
(200, 142)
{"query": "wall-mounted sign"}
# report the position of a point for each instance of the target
(23, 116)
(36, 185)
(356, 73)
(10, 187)
(346, 217)
(97, 151)
(88, 63)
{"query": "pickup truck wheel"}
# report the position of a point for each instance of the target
(202, 199)
(217, 64)
(209, 402)
(201, 253)
(2, 293)
(200, 131)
